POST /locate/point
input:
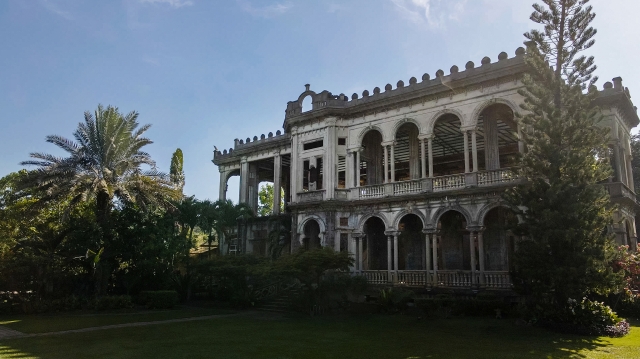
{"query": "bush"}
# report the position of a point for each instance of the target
(161, 299)
(482, 305)
(112, 302)
(586, 318)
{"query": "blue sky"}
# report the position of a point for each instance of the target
(206, 72)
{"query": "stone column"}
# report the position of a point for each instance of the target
(434, 255)
(623, 166)
(617, 166)
(472, 254)
(351, 247)
(389, 257)
(295, 178)
(349, 170)
(427, 254)
(358, 167)
(277, 176)
(466, 151)
(423, 160)
(474, 150)
(222, 194)
(329, 161)
(393, 162)
(386, 164)
(481, 255)
(430, 148)
(395, 251)
(244, 181)
(360, 263)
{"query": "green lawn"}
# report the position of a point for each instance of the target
(374, 336)
(32, 324)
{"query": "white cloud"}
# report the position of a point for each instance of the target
(173, 3)
(433, 13)
(52, 7)
(265, 11)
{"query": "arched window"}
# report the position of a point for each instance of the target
(307, 103)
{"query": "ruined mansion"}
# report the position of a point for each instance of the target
(408, 179)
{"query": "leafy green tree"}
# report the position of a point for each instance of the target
(176, 172)
(207, 221)
(43, 247)
(103, 166)
(228, 215)
(565, 212)
(265, 200)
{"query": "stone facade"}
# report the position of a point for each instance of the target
(409, 179)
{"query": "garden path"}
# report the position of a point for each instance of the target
(6, 333)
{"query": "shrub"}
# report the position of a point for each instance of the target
(112, 302)
(161, 299)
(482, 305)
(586, 318)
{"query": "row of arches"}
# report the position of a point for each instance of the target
(452, 245)
(494, 146)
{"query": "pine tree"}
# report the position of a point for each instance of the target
(176, 173)
(565, 212)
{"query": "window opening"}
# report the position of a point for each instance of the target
(312, 145)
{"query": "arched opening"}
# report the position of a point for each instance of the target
(497, 141)
(374, 246)
(407, 153)
(311, 235)
(448, 146)
(411, 244)
(371, 159)
(233, 187)
(307, 103)
(453, 242)
(498, 239)
(266, 199)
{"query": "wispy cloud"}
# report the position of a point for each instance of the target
(266, 12)
(173, 3)
(54, 8)
(434, 13)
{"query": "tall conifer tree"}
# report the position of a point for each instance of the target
(176, 172)
(565, 212)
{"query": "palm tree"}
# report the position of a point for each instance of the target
(228, 215)
(103, 166)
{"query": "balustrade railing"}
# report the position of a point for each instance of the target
(454, 278)
(412, 278)
(442, 278)
(373, 191)
(497, 280)
(407, 187)
(448, 182)
(487, 178)
(376, 276)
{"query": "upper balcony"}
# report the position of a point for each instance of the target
(492, 178)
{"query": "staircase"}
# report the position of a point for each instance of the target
(281, 302)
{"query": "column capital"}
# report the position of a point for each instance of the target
(468, 128)
(391, 233)
(475, 228)
(431, 230)
(244, 159)
(355, 149)
(426, 136)
(357, 234)
(388, 143)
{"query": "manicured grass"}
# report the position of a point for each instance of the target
(32, 324)
(374, 336)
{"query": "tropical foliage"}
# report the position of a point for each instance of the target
(565, 213)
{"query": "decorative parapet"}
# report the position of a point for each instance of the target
(441, 82)
(615, 95)
(248, 145)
